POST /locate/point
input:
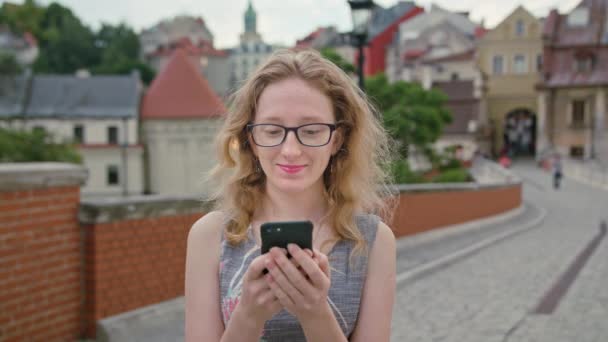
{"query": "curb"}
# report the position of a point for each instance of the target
(451, 258)
(447, 231)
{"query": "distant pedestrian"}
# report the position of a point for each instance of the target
(557, 171)
(505, 161)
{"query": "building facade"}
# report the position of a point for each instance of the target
(97, 113)
(191, 35)
(24, 47)
(384, 24)
(509, 58)
(180, 116)
(250, 52)
(572, 93)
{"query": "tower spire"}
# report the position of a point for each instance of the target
(250, 19)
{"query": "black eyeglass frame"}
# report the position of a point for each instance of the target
(332, 128)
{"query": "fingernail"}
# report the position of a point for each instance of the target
(291, 246)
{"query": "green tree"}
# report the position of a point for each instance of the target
(9, 65)
(120, 52)
(66, 44)
(412, 115)
(334, 57)
(22, 18)
(23, 146)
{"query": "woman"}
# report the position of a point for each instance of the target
(299, 143)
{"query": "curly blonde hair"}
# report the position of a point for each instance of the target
(356, 177)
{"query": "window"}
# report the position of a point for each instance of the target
(583, 63)
(577, 151)
(79, 134)
(113, 135)
(579, 17)
(539, 62)
(519, 64)
(112, 175)
(498, 65)
(519, 28)
(578, 113)
(455, 76)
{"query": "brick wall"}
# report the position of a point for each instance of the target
(40, 255)
(66, 263)
(422, 211)
(134, 263)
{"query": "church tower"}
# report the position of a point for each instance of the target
(251, 23)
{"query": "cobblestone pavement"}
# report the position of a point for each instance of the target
(492, 294)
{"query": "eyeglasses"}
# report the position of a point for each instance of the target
(270, 135)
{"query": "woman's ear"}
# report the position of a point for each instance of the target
(252, 146)
(338, 140)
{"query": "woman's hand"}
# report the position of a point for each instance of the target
(301, 290)
(258, 301)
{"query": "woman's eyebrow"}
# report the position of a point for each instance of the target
(308, 118)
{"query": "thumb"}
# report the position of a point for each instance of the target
(256, 267)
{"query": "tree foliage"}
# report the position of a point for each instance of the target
(412, 115)
(67, 45)
(24, 146)
(338, 60)
(9, 65)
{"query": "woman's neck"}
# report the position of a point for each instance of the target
(280, 206)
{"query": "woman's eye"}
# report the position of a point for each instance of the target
(310, 132)
(273, 132)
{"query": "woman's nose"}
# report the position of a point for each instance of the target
(291, 146)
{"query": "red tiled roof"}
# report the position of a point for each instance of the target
(460, 56)
(180, 92)
(413, 54)
(480, 31)
(307, 41)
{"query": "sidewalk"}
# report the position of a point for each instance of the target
(492, 294)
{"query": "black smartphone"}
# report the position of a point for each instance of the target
(280, 234)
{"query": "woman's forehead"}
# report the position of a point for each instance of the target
(293, 99)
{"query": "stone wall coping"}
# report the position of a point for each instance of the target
(27, 176)
(111, 209)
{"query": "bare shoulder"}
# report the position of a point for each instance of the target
(201, 279)
(207, 228)
(385, 238)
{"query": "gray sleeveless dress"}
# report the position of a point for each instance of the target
(347, 281)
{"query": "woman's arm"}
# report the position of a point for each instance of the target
(202, 290)
(203, 312)
(376, 310)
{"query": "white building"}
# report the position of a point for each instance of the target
(23, 47)
(172, 30)
(251, 51)
(98, 113)
(180, 116)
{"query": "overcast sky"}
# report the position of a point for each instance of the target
(279, 21)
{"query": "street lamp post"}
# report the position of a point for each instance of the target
(361, 11)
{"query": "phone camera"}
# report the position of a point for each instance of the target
(279, 229)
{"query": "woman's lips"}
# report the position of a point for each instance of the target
(292, 169)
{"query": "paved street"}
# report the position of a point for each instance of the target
(493, 294)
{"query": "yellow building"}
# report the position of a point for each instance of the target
(509, 58)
